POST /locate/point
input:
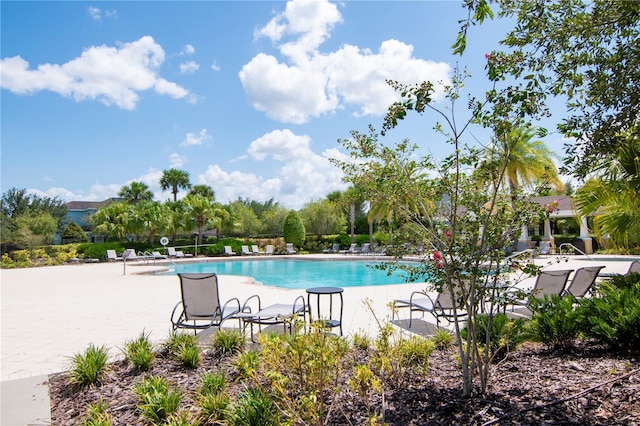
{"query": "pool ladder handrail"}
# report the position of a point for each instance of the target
(575, 249)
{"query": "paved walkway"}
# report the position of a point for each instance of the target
(48, 314)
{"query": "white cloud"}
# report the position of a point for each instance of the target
(176, 160)
(108, 74)
(215, 66)
(303, 177)
(95, 13)
(282, 145)
(189, 49)
(309, 83)
(196, 139)
(189, 67)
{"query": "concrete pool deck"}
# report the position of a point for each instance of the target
(50, 313)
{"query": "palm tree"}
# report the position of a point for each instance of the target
(152, 217)
(136, 192)
(203, 211)
(614, 198)
(204, 190)
(523, 158)
(175, 179)
(113, 220)
(177, 222)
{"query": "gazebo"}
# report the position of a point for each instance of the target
(558, 206)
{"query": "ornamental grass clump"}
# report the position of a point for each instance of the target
(254, 407)
(158, 400)
(88, 367)
(139, 352)
(184, 348)
(97, 415)
(213, 402)
(228, 342)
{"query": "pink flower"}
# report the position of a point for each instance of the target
(486, 56)
(437, 256)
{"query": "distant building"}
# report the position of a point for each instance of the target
(80, 212)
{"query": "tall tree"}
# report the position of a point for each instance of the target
(175, 180)
(203, 212)
(585, 51)
(615, 196)
(112, 220)
(136, 192)
(152, 217)
(322, 217)
(205, 190)
(527, 160)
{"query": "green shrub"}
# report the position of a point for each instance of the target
(217, 249)
(157, 399)
(293, 229)
(99, 250)
(228, 342)
(73, 233)
(139, 352)
(555, 321)
(624, 281)
(87, 368)
(254, 408)
(614, 317)
(505, 335)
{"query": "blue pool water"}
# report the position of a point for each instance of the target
(298, 274)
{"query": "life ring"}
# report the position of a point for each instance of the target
(164, 241)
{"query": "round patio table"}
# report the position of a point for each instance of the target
(327, 321)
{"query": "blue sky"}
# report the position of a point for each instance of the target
(248, 97)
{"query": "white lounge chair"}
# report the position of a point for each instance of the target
(290, 249)
(255, 249)
(245, 250)
(268, 249)
(229, 251)
(113, 257)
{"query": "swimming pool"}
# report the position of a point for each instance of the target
(297, 274)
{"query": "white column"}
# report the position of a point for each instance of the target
(523, 241)
(584, 236)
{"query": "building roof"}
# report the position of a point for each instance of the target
(91, 205)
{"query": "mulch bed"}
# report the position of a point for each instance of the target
(532, 386)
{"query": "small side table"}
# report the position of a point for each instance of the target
(329, 321)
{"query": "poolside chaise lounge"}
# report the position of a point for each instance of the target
(365, 249)
(440, 306)
(229, 251)
(268, 249)
(113, 257)
(582, 282)
(334, 249)
(634, 268)
(255, 249)
(547, 283)
(353, 249)
(290, 249)
(200, 307)
(252, 313)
